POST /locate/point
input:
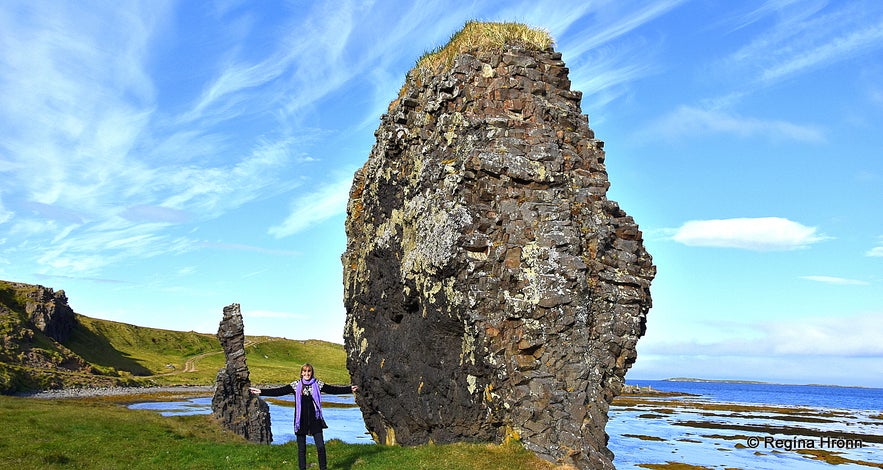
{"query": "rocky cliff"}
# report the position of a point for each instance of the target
(47, 310)
(492, 290)
(233, 405)
(34, 322)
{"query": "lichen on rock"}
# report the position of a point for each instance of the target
(492, 290)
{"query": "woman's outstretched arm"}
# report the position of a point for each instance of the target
(272, 392)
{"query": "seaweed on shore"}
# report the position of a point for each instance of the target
(786, 430)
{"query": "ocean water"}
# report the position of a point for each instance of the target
(852, 398)
(819, 420)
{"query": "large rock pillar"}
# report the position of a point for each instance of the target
(236, 408)
(492, 290)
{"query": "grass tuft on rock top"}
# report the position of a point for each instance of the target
(477, 36)
(480, 36)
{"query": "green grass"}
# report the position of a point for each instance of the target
(143, 351)
(275, 361)
(100, 434)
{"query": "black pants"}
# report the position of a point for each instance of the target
(302, 450)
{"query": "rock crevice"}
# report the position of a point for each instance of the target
(492, 290)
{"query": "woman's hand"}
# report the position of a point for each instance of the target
(256, 391)
(355, 388)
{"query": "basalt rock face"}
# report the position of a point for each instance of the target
(48, 311)
(492, 290)
(236, 408)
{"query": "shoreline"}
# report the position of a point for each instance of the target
(92, 392)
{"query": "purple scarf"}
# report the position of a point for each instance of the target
(299, 393)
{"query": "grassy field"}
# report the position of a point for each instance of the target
(101, 433)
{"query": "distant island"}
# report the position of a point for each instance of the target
(753, 382)
(690, 379)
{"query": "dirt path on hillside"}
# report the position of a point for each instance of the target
(190, 364)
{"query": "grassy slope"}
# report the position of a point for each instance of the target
(139, 350)
(123, 354)
(164, 357)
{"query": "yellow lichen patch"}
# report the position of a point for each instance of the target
(834, 458)
(489, 392)
(470, 380)
(511, 435)
(390, 437)
(467, 349)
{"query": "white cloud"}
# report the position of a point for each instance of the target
(688, 121)
(314, 208)
(760, 234)
(5, 215)
(835, 280)
(852, 336)
(877, 251)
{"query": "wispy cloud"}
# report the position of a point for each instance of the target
(5, 215)
(832, 51)
(795, 37)
(97, 172)
(97, 280)
(325, 203)
(688, 121)
(835, 280)
(624, 23)
(854, 336)
(602, 62)
(152, 213)
(876, 251)
(804, 36)
(758, 234)
(251, 248)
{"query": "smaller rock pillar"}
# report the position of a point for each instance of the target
(236, 408)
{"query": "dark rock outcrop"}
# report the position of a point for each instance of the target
(236, 408)
(48, 310)
(492, 290)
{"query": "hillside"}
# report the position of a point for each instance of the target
(37, 354)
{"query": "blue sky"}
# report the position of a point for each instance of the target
(161, 160)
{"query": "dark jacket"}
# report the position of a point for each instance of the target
(309, 422)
